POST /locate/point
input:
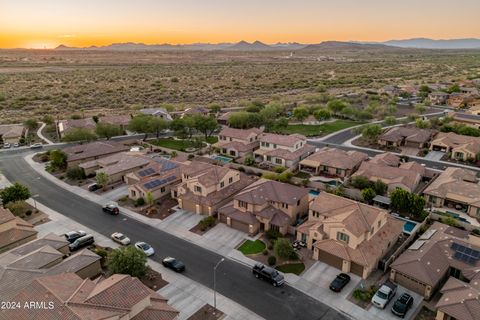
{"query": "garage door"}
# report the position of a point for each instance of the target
(223, 218)
(330, 259)
(239, 226)
(189, 206)
(439, 148)
(356, 269)
(409, 283)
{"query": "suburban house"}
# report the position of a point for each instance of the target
(12, 133)
(459, 146)
(459, 100)
(348, 235)
(459, 300)
(469, 90)
(224, 118)
(238, 142)
(121, 120)
(387, 159)
(46, 256)
(158, 178)
(474, 107)
(195, 111)
(14, 231)
(333, 162)
(65, 126)
(438, 97)
(157, 112)
(440, 254)
(119, 296)
(205, 187)
(406, 136)
(92, 151)
(471, 120)
(455, 188)
(115, 166)
(406, 176)
(265, 205)
(283, 150)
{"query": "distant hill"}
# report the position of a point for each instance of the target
(343, 46)
(425, 43)
(246, 46)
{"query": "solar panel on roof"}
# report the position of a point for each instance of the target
(465, 254)
(146, 172)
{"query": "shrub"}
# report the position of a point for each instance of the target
(206, 223)
(272, 260)
(360, 182)
(273, 234)
(284, 249)
(476, 232)
(14, 193)
(279, 169)
(241, 169)
(75, 173)
(18, 208)
(139, 202)
(128, 260)
(249, 161)
(270, 245)
(123, 198)
(265, 252)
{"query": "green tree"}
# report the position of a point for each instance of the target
(156, 125)
(300, 113)
(16, 192)
(102, 179)
(17, 208)
(371, 132)
(31, 124)
(270, 116)
(336, 105)
(420, 108)
(79, 134)
(284, 249)
(422, 124)
(149, 198)
(140, 124)
(407, 202)
(245, 120)
(322, 114)
(368, 194)
(360, 182)
(454, 88)
(48, 119)
(128, 260)
(107, 130)
(206, 125)
(95, 119)
(58, 159)
(390, 121)
(380, 187)
(75, 173)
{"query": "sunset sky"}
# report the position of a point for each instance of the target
(48, 23)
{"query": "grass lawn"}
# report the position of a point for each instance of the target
(295, 268)
(321, 129)
(252, 247)
(180, 145)
(212, 139)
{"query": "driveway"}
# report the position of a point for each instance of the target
(224, 238)
(387, 313)
(434, 155)
(181, 220)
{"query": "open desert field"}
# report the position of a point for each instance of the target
(62, 82)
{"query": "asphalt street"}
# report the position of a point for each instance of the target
(234, 280)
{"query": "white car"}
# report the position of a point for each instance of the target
(16, 145)
(120, 238)
(6, 145)
(145, 247)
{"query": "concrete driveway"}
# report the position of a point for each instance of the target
(181, 220)
(224, 238)
(434, 155)
(387, 313)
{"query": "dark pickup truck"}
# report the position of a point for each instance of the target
(271, 275)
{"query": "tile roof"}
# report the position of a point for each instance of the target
(241, 134)
(429, 262)
(264, 191)
(94, 149)
(230, 211)
(50, 239)
(411, 134)
(121, 120)
(453, 140)
(456, 183)
(387, 159)
(117, 163)
(67, 125)
(236, 145)
(5, 215)
(14, 232)
(11, 131)
(288, 155)
(336, 158)
(460, 300)
(280, 139)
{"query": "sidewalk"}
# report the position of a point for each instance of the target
(180, 229)
(41, 136)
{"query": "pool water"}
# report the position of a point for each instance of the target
(314, 192)
(408, 227)
(223, 159)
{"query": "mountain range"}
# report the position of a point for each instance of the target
(418, 43)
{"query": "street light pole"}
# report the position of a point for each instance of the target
(215, 284)
(34, 201)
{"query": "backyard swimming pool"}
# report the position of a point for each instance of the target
(408, 227)
(222, 159)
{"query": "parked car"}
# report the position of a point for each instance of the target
(81, 242)
(111, 208)
(402, 305)
(383, 295)
(145, 247)
(94, 187)
(271, 275)
(120, 238)
(173, 264)
(71, 236)
(6, 145)
(339, 282)
(36, 146)
(16, 145)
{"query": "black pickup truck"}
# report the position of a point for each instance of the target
(271, 275)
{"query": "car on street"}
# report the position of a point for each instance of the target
(94, 187)
(402, 305)
(174, 264)
(268, 274)
(145, 247)
(6, 145)
(71, 236)
(120, 238)
(36, 146)
(111, 208)
(16, 145)
(383, 295)
(339, 282)
(81, 242)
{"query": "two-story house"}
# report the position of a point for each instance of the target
(205, 188)
(265, 205)
(348, 235)
(238, 142)
(283, 150)
(459, 146)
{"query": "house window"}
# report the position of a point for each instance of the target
(342, 237)
(379, 223)
(242, 204)
(267, 144)
(230, 180)
(338, 171)
(285, 205)
(162, 189)
(134, 193)
(298, 202)
(197, 189)
(278, 160)
(324, 168)
(478, 212)
(274, 146)
(269, 158)
(222, 184)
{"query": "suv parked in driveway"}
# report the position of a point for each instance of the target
(401, 306)
(81, 242)
(71, 236)
(383, 295)
(271, 275)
